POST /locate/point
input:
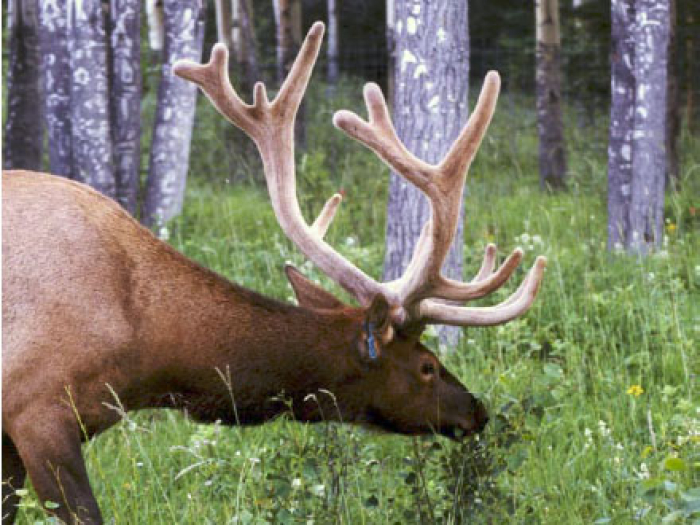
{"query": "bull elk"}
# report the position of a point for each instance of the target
(96, 306)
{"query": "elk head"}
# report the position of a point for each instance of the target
(421, 395)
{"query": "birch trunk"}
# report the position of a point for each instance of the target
(622, 89)
(430, 107)
(550, 127)
(245, 44)
(172, 132)
(648, 153)
(288, 34)
(90, 114)
(55, 65)
(156, 30)
(224, 22)
(23, 129)
(673, 102)
(251, 48)
(333, 67)
(125, 36)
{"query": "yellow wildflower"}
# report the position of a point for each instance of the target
(671, 227)
(635, 390)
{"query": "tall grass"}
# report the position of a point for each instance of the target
(594, 394)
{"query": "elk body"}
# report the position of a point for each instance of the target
(95, 307)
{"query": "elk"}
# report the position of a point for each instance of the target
(95, 306)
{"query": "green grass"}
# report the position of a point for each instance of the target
(567, 442)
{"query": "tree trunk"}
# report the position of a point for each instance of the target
(245, 43)
(673, 103)
(126, 99)
(636, 153)
(333, 67)
(648, 155)
(288, 24)
(90, 115)
(622, 89)
(430, 107)
(550, 127)
(224, 22)
(23, 129)
(172, 132)
(55, 66)
(156, 29)
(391, 50)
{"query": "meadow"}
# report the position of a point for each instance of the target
(594, 394)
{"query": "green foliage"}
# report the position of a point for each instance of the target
(593, 394)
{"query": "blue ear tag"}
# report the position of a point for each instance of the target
(369, 328)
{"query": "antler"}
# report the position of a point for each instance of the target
(271, 126)
(420, 295)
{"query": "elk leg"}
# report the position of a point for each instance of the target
(13, 474)
(50, 449)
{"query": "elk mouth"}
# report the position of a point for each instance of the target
(456, 431)
(463, 430)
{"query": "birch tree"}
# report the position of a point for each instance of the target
(23, 129)
(430, 107)
(224, 22)
(648, 152)
(90, 133)
(172, 132)
(55, 65)
(245, 43)
(125, 17)
(636, 152)
(673, 101)
(156, 31)
(288, 34)
(333, 67)
(550, 126)
(622, 90)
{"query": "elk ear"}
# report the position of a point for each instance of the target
(377, 330)
(309, 294)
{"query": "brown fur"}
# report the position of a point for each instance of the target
(94, 305)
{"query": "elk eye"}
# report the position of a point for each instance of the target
(428, 369)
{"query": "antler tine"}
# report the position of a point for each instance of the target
(488, 264)
(463, 150)
(213, 79)
(324, 219)
(434, 312)
(294, 86)
(379, 135)
(481, 285)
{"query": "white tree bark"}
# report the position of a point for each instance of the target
(125, 16)
(91, 134)
(23, 127)
(55, 65)
(170, 150)
(648, 153)
(430, 107)
(636, 151)
(333, 43)
(224, 22)
(156, 28)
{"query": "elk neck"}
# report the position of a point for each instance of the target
(222, 352)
